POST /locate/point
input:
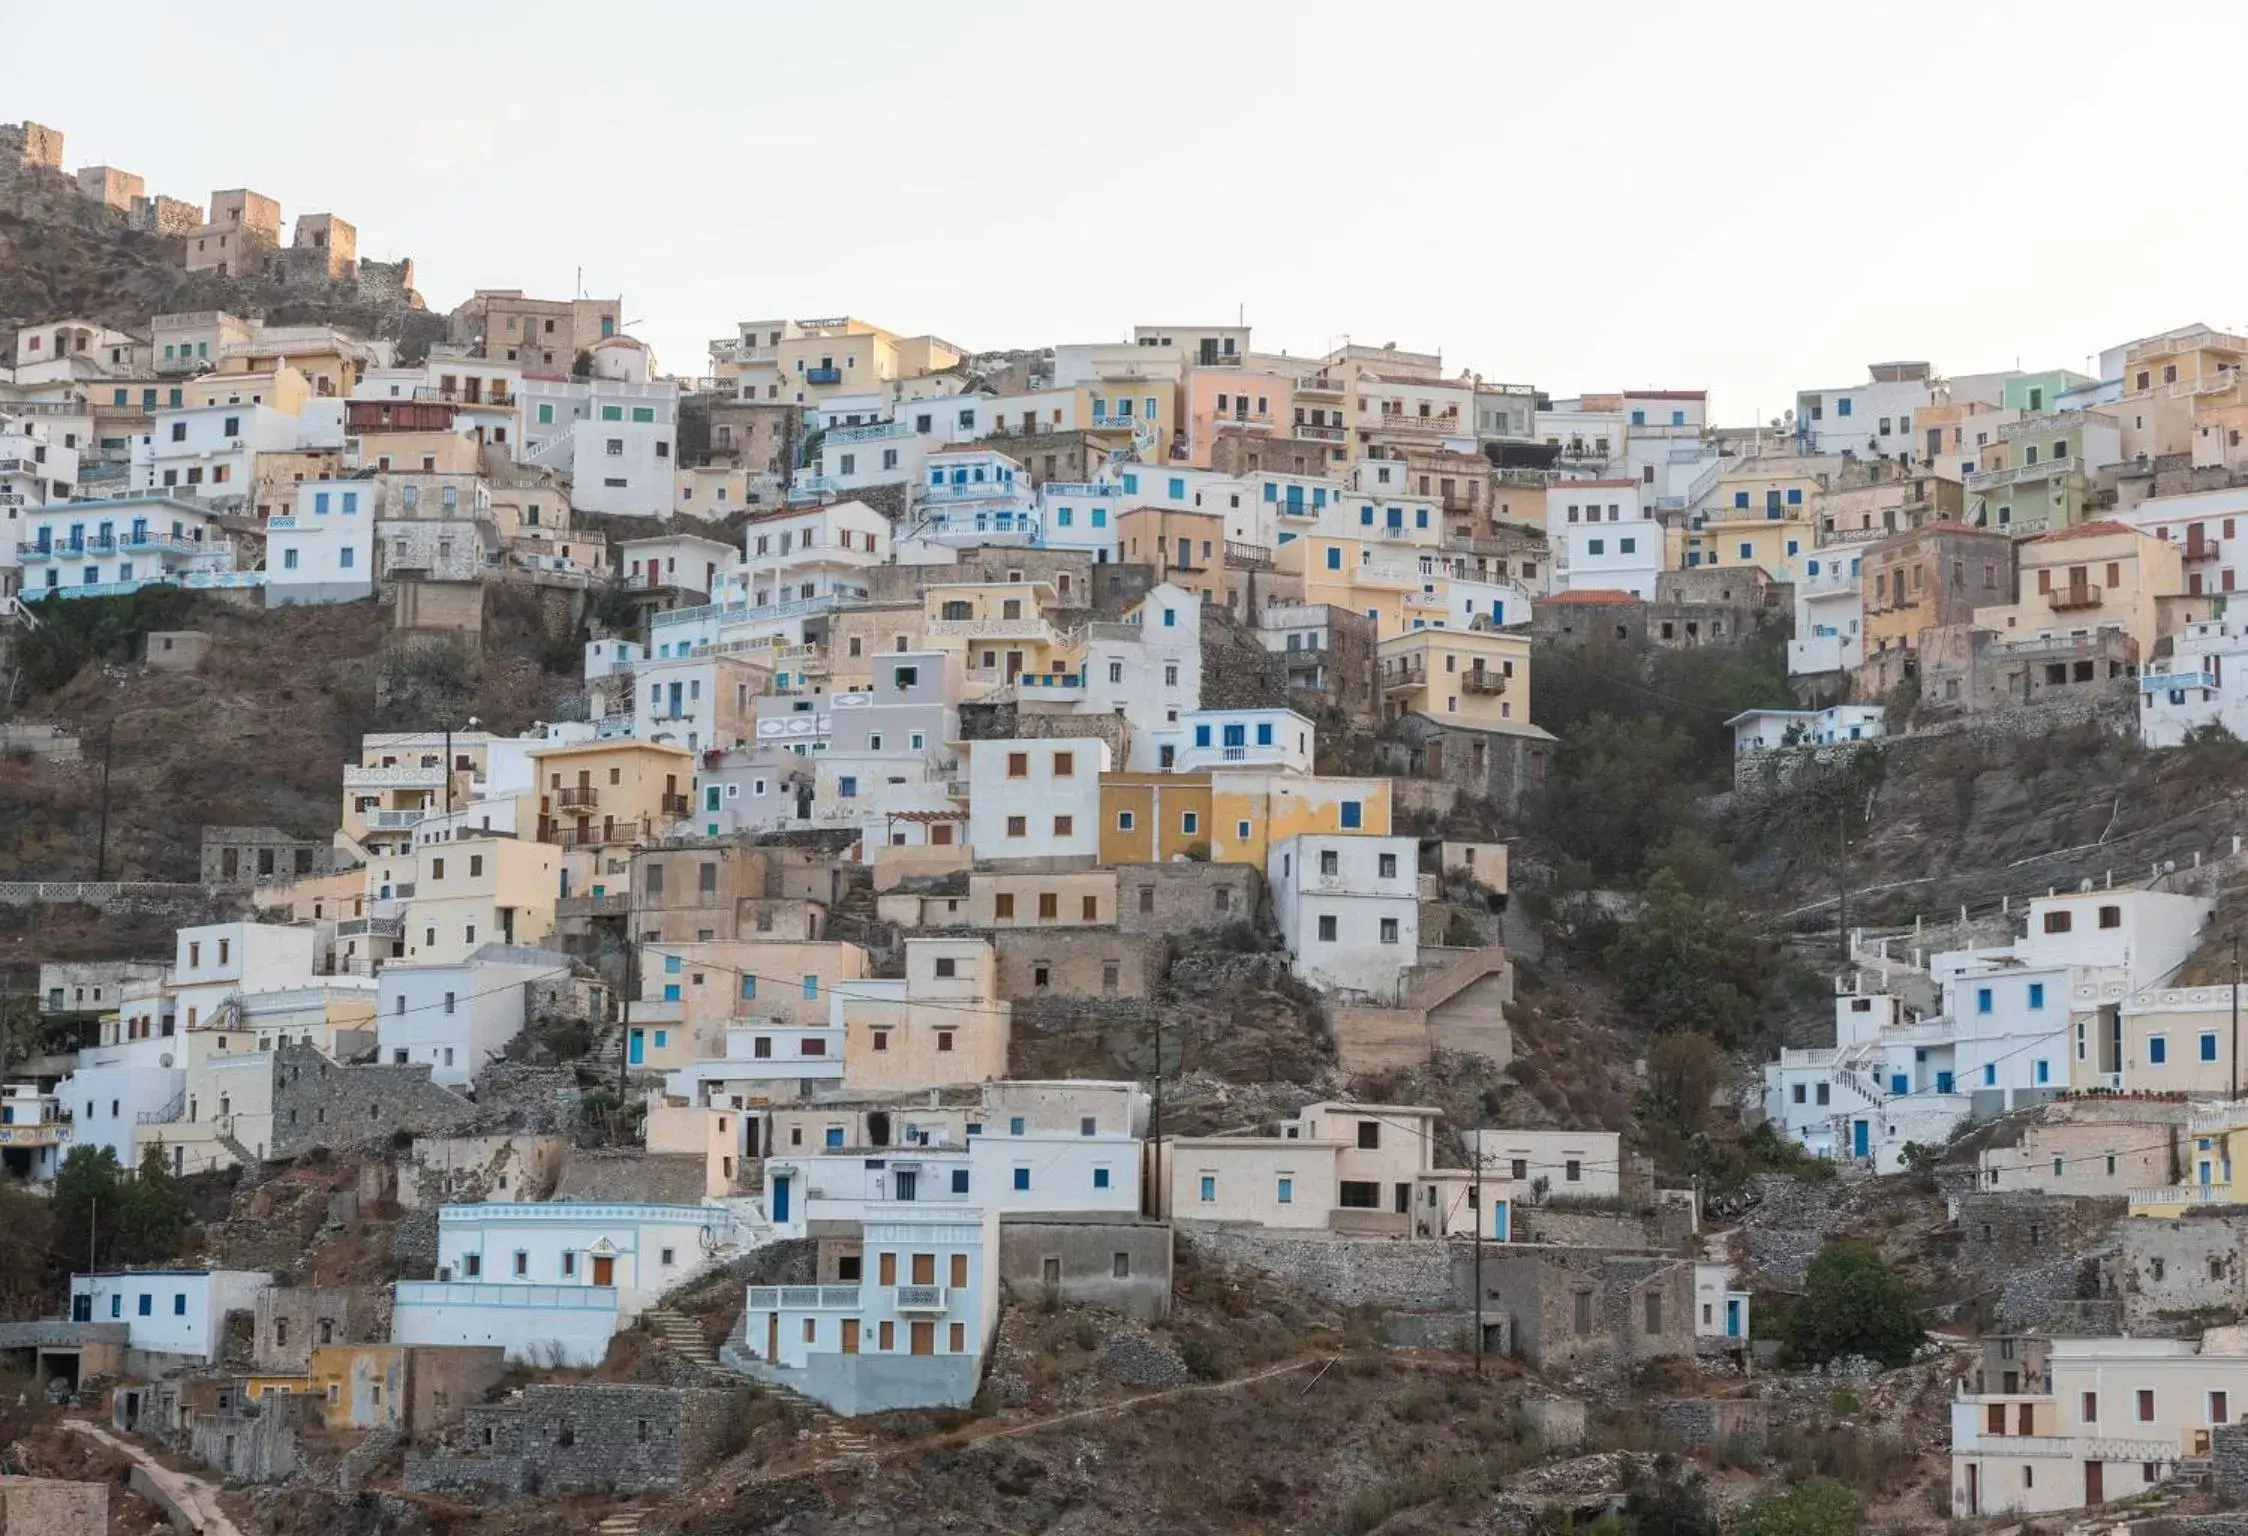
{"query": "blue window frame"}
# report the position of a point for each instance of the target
(1022, 1178)
(1982, 999)
(2158, 1050)
(1639, 418)
(1236, 735)
(847, 787)
(2209, 1047)
(147, 1304)
(2044, 1070)
(812, 986)
(1899, 1083)
(749, 987)
(1795, 495)
(1100, 517)
(1264, 733)
(671, 991)
(1016, 1125)
(959, 1181)
(1202, 735)
(1131, 485)
(2036, 995)
(1334, 558)
(1209, 1189)
(1353, 815)
(1271, 492)
(1842, 406)
(1287, 1191)
(1100, 1178)
(117, 1306)
(1990, 1074)
(1178, 489)
(834, 1136)
(1740, 498)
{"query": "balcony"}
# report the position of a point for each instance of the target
(823, 376)
(1405, 677)
(2068, 598)
(2022, 474)
(1028, 627)
(1482, 680)
(1247, 557)
(1259, 422)
(1322, 434)
(584, 796)
(610, 905)
(804, 1298)
(920, 1298)
(394, 821)
(873, 432)
(2184, 1194)
(49, 1133)
(1400, 421)
(1118, 423)
(677, 805)
(972, 490)
(371, 927)
(2202, 549)
(2165, 682)
(393, 776)
(1376, 574)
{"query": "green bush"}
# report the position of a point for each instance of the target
(1817, 1507)
(1854, 1303)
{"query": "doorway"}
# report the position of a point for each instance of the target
(2095, 1482)
(604, 1269)
(850, 1335)
(924, 1338)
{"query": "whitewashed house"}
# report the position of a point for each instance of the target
(1349, 910)
(324, 550)
(172, 1317)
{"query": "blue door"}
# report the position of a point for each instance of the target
(1943, 1082)
(1732, 1319)
(1498, 1221)
(634, 1047)
(1861, 1138)
(780, 1197)
(1899, 1083)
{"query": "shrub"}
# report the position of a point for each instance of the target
(1854, 1303)
(1818, 1507)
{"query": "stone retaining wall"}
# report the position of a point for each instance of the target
(1351, 1272)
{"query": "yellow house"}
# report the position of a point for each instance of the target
(602, 794)
(1251, 810)
(2215, 1135)
(1731, 539)
(330, 369)
(428, 453)
(283, 389)
(401, 776)
(2163, 377)
(690, 993)
(1144, 816)
(999, 630)
(471, 891)
(945, 1023)
(1475, 678)
(2102, 575)
(1398, 591)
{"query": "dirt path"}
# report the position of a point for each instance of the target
(196, 1499)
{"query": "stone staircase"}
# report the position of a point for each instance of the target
(682, 1336)
(625, 1522)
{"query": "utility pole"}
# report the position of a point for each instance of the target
(93, 1211)
(1475, 1194)
(101, 836)
(631, 972)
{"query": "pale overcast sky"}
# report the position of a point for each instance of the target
(1746, 197)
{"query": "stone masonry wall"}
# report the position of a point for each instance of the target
(45, 1506)
(1351, 1272)
(1076, 962)
(316, 1102)
(2192, 1263)
(1185, 895)
(624, 1438)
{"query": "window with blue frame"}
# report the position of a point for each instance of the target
(1209, 1189)
(1100, 517)
(1990, 1074)
(1022, 1178)
(1061, 517)
(1335, 559)
(1131, 485)
(1202, 735)
(1017, 1125)
(749, 988)
(1353, 815)
(671, 965)
(835, 1136)
(847, 787)
(1842, 406)
(1899, 1083)
(1420, 517)
(117, 1306)
(1287, 1191)
(1100, 1178)
(2208, 1047)
(1178, 489)
(812, 986)
(1793, 546)
(1740, 498)
(1272, 492)
(2036, 995)
(1678, 418)
(147, 1305)
(1264, 733)
(1170, 618)
(671, 991)
(959, 1181)
(1982, 999)
(1795, 496)
(1639, 418)
(1318, 497)
(1748, 551)
(2044, 1070)
(1366, 516)
(2158, 1050)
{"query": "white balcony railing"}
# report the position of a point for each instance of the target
(921, 1298)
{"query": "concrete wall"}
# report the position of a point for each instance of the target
(875, 1383)
(1078, 1255)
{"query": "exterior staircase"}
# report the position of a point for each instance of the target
(681, 1336)
(625, 1522)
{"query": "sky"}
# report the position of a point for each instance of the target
(1745, 197)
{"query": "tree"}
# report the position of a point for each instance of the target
(1684, 1071)
(1854, 1303)
(1689, 964)
(1669, 1504)
(85, 1202)
(1617, 789)
(155, 1218)
(25, 1269)
(1818, 1506)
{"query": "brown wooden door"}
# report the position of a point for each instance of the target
(924, 1338)
(2095, 1482)
(772, 1336)
(604, 1269)
(887, 1267)
(850, 1335)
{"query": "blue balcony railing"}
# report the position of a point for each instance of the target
(823, 375)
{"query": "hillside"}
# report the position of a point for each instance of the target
(63, 255)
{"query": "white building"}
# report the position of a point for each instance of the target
(176, 1316)
(209, 451)
(1148, 668)
(2188, 691)
(1765, 730)
(765, 1059)
(680, 560)
(971, 496)
(1829, 615)
(35, 1133)
(1873, 418)
(103, 548)
(456, 1017)
(907, 1327)
(1241, 738)
(1003, 1164)
(324, 550)
(2204, 525)
(1036, 799)
(614, 437)
(1081, 514)
(35, 468)
(1349, 910)
(800, 552)
(1721, 1308)
(1602, 539)
(549, 1326)
(1569, 1164)
(640, 1250)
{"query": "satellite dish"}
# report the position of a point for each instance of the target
(164, 1060)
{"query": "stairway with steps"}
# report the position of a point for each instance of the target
(623, 1523)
